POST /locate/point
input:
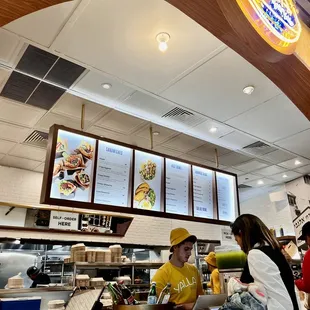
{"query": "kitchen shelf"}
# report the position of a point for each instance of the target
(116, 265)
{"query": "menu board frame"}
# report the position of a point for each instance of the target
(48, 176)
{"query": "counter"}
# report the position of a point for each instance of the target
(46, 294)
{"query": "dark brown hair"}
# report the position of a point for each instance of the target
(253, 231)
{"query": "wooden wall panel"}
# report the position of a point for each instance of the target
(14, 9)
(289, 73)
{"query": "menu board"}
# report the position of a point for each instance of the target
(203, 192)
(113, 174)
(147, 181)
(73, 167)
(177, 187)
(227, 196)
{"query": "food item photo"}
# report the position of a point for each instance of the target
(148, 170)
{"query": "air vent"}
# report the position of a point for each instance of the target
(244, 186)
(184, 116)
(259, 148)
(37, 138)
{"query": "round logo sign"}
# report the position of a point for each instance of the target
(276, 21)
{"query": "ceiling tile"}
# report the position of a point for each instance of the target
(167, 151)
(17, 113)
(1, 156)
(133, 54)
(40, 168)
(183, 143)
(36, 62)
(233, 159)
(105, 133)
(251, 166)
(91, 84)
(164, 133)
(290, 175)
(247, 178)
(13, 132)
(45, 96)
(64, 73)
(277, 156)
(44, 25)
(4, 75)
(207, 126)
(6, 146)
(299, 143)
(270, 170)
(235, 171)
(19, 87)
(30, 152)
(260, 121)
(303, 170)
(212, 93)
(207, 151)
(9, 44)
(71, 106)
(18, 162)
(200, 161)
(120, 122)
(236, 140)
(291, 164)
(258, 183)
(50, 119)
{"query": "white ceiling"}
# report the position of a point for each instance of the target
(115, 41)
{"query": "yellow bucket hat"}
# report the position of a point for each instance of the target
(178, 235)
(211, 259)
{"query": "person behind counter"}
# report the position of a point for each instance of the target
(184, 278)
(265, 265)
(37, 277)
(215, 283)
(304, 283)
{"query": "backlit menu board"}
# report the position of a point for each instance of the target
(148, 181)
(113, 174)
(227, 196)
(177, 187)
(203, 192)
(73, 167)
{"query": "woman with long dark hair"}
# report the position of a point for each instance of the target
(265, 265)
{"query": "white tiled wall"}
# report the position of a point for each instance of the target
(273, 214)
(22, 186)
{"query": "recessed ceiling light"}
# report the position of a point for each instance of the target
(106, 85)
(284, 176)
(213, 129)
(297, 162)
(162, 38)
(156, 133)
(248, 90)
(260, 182)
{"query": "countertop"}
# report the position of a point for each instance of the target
(35, 290)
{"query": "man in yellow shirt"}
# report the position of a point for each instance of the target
(215, 283)
(184, 278)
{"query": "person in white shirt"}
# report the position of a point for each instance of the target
(266, 265)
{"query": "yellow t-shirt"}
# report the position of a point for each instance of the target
(215, 282)
(185, 282)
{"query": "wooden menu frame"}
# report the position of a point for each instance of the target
(48, 175)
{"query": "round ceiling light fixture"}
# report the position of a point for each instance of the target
(248, 90)
(156, 133)
(106, 85)
(260, 182)
(213, 129)
(284, 176)
(297, 162)
(162, 38)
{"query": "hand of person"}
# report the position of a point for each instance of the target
(188, 306)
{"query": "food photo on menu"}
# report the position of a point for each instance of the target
(147, 186)
(73, 167)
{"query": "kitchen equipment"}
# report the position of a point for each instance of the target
(225, 275)
(16, 282)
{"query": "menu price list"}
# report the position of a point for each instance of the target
(203, 192)
(226, 193)
(177, 187)
(113, 174)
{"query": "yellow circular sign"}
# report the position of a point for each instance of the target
(276, 21)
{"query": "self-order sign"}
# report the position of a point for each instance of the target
(64, 220)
